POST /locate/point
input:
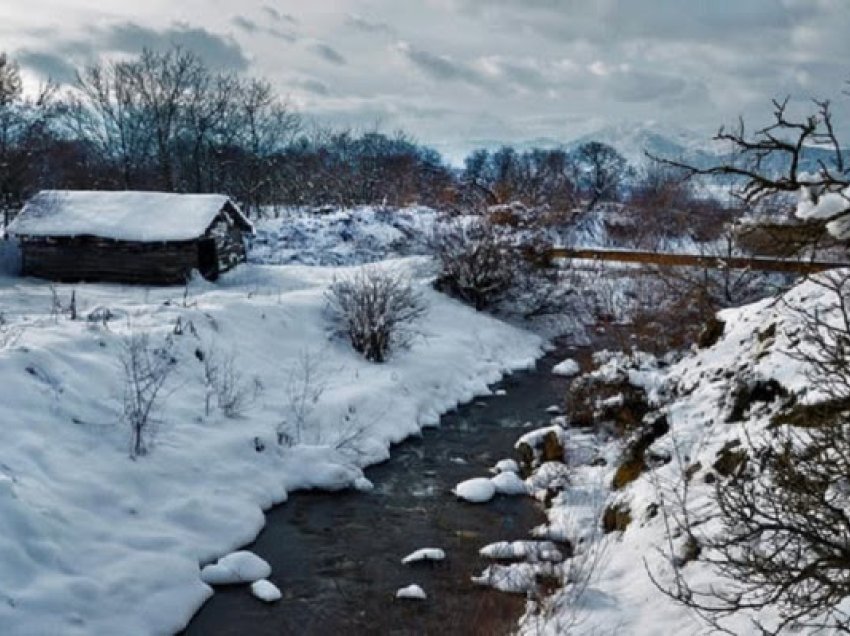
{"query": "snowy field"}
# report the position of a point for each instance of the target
(93, 542)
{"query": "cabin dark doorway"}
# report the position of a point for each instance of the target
(207, 259)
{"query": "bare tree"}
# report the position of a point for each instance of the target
(26, 130)
(601, 172)
(785, 143)
(108, 114)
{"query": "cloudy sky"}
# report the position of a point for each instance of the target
(453, 71)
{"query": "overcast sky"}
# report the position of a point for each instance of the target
(448, 71)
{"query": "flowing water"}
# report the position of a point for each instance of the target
(337, 556)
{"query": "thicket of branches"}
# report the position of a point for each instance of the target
(164, 120)
(784, 509)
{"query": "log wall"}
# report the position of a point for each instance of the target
(229, 244)
(93, 259)
(90, 258)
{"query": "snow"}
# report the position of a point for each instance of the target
(516, 578)
(92, 542)
(412, 592)
(475, 490)
(509, 483)
(693, 393)
(506, 466)
(826, 206)
(342, 237)
(424, 554)
(237, 567)
(265, 591)
(127, 216)
(568, 367)
(532, 551)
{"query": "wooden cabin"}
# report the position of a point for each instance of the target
(129, 237)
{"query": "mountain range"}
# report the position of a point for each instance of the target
(634, 141)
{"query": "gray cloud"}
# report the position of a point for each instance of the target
(643, 86)
(245, 24)
(250, 26)
(48, 65)
(368, 26)
(327, 53)
(128, 37)
(490, 69)
(312, 85)
(61, 58)
(277, 16)
(441, 67)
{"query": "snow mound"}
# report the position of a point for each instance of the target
(412, 592)
(362, 484)
(237, 567)
(424, 554)
(516, 578)
(506, 466)
(532, 551)
(567, 368)
(476, 490)
(509, 483)
(265, 590)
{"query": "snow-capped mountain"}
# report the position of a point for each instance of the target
(635, 140)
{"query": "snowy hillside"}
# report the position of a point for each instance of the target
(718, 412)
(93, 542)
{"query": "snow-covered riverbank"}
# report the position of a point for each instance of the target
(94, 542)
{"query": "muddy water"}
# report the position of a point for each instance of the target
(336, 557)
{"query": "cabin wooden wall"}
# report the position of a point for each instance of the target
(229, 243)
(89, 258)
(94, 259)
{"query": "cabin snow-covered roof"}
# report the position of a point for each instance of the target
(121, 215)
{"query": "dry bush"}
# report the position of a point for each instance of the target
(224, 384)
(502, 268)
(146, 370)
(376, 310)
(475, 262)
(783, 503)
(305, 386)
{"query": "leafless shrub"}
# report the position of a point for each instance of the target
(781, 546)
(376, 310)
(475, 262)
(500, 267)
(306, 384)
(224, 384)
(9, 334)
(146, 370)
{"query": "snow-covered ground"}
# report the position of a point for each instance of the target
(342, 236)
(93, 542)
(696, 395)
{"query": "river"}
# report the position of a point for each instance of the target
(337, 556)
